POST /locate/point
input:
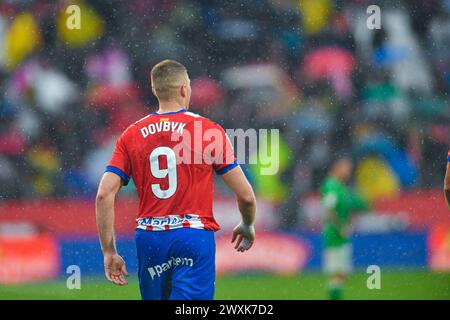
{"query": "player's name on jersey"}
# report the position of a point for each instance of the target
(162, 126)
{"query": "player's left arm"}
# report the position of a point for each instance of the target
(447, 181)
(226, 165)
(244, 233)
(115, 268)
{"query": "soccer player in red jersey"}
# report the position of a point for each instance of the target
(172, 155)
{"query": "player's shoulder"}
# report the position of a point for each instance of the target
(133, 127)
(329, 184)
(194, 115)
(141, 120)
(208, 123)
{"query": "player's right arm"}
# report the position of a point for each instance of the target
(447, 181)
(244, 233)
(104, 207)
(117, 173)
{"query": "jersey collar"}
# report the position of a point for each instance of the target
(167, 113)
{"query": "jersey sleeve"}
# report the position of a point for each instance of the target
(329, 201)
(329, 196)
(225, 160)
(120, 162)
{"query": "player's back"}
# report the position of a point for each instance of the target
(172, 158)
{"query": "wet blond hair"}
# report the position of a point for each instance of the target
(167, 77)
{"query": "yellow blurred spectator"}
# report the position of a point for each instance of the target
(315, 15)
(375, 180)
(21, 39)
(42, 185)
(91, 26)
(46, 163)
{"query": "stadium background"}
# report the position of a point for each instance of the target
(312, 69)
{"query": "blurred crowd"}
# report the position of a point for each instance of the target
(310, 68)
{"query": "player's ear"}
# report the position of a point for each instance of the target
(183, 91)
(154, 92)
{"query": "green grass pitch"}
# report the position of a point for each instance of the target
(394, 285)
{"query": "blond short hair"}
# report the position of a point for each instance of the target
(166, 78)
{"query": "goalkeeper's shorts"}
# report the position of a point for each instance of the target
(176, 264)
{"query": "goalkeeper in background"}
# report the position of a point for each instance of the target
(447, 181)
(340, 203)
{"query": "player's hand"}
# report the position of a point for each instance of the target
(115, 269)
(245, 236)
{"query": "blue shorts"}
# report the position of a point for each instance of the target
(176, 264)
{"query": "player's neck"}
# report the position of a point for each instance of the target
(169, 106)
(337, 177)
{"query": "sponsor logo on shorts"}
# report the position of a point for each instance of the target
(159, 269)
(172, 221)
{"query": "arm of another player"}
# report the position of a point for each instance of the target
(329, 202)
(244, 233)
(114, 265)
(447, 181)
